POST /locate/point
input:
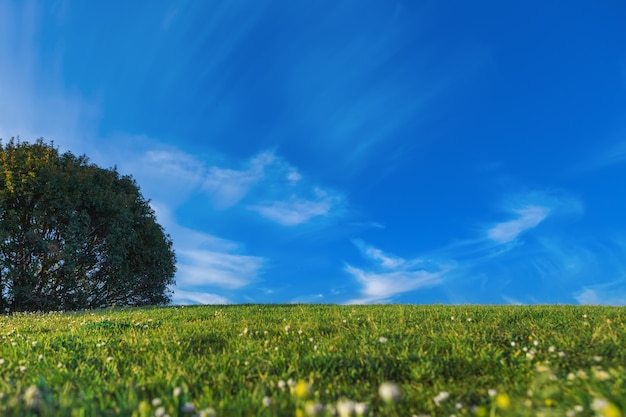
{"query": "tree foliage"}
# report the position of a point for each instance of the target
(73, 235)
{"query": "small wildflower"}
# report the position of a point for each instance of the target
(458, 406)
(40, 357)
(287, 328)
(177, 391)
(503, 401)
(110, 359)
(597, 358)
(389, 392)
(492, 392)
(1, 361)
(207, 412)
(22, 368)
(551, 349)
(360, 409)
(345, 408)
(581, 374)
(561, 354)
(469, 319)
(452, 318)
(313, 408)
(442, 396)
(302, 389)
(601, 375)
(267, 401)
(156, 402)
(513, 343)
(605, 408)
(32, 396)
(188, 408)
(159, 412)
(382, 339)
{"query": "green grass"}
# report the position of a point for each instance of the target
(275, 360)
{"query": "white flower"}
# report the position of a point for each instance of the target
(267, 401)
(207, 412)
(492, 392)
(599, 404)
(188, 408)
(601, 375)
(313, 408)
(345, 408)
(442, 396)
(1, 361)
(177, 391)
(159, 412)
(382, 339)
(32, 396)
(156, 402)
(287, 328)
(282, 385)
(360, 409)
(389, 391)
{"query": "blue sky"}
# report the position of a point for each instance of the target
(347, 151)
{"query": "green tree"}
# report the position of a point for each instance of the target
(73, 235)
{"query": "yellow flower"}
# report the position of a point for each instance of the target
(503, 401)
(302, 389)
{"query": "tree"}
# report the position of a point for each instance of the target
(73, 235)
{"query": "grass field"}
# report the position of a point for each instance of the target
(299, 360)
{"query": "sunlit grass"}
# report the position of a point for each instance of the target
(394, 360)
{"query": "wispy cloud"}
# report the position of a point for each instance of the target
(228, 186)
(603, 294)
(529, 217)
(273, 188)
(390, 275)
(296, 210)
(613, 154)
(205, 261)
(181, 297)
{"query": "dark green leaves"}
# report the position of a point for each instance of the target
(73, 235)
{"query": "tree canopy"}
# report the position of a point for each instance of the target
(74, 235)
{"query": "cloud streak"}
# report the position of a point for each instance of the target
(529, 217)
(391, 276)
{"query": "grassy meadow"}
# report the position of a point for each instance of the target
(307, 360)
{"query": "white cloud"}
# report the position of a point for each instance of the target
(392, 275)
(204, 260)
(386, 261)
(380, 287)
(296, 210)
(199, 268)
(181, 297)
(602, 295)
(529, 217)
(229, 186)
